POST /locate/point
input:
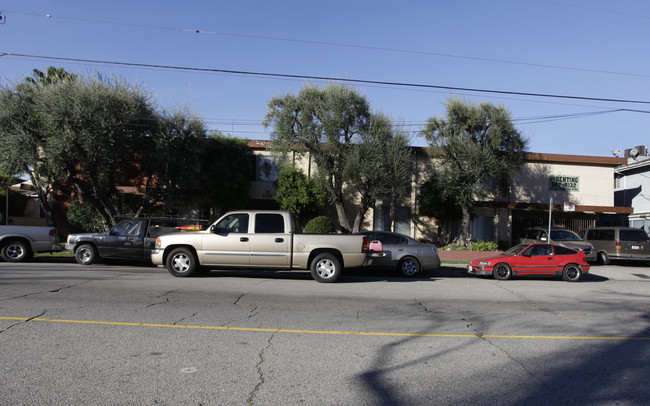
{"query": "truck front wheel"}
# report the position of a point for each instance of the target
(325, 268)
(182, 262)
(85, 254)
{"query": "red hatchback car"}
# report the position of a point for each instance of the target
(533, 259)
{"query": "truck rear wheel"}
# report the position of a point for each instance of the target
(85, 254)
(182, 262)
(16, 251)
(325, 268)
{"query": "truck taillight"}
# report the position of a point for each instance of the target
(618, 245)
(53, 232)
(365, 245)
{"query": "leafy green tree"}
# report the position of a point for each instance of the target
(226, 172)
(379, 167)
(172, 170)
(4, 182)
(299, 194)
(24, 131)
(94, 133)
(325, 124)
(336, 128)
(437, 201)
(475, 145)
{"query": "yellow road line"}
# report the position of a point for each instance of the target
(359, 333)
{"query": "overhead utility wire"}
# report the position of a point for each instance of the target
(325, 78)
(338, 44)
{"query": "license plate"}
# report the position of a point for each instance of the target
(636, 247)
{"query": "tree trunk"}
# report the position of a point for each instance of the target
(344, 222)
(464, 238)
(43, 193)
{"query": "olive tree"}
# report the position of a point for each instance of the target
(336, 129)
(474, 146)
(226, 172)
(94, 134)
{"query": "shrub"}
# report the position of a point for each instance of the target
(485, 246)
(319, 225)
(83, 218)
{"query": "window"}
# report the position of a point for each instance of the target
(564, 251)
(234, 223)
(381, 220)
(126, 228)
(601, 235)
(391, 239)
(564, 235)
(269, 223)
(633, 235)
(266, 169)
(541, 250)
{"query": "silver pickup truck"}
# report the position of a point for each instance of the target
(19, 243)
(259, 239)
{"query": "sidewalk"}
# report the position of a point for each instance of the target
(467, 256)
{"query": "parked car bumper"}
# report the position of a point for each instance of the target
(157, 257)
(479, 270)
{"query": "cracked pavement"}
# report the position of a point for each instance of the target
(135, 335)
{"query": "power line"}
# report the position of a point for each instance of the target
(357, 46)
(322, 78)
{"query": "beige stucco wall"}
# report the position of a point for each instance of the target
(596, 184)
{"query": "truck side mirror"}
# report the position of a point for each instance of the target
(376, 246)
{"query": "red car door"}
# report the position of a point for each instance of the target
(538, 259)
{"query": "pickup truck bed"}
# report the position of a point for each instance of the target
(19, 243)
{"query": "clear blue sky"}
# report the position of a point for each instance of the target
(593, 49)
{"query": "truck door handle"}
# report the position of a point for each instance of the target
(243, 239)
(279, 240)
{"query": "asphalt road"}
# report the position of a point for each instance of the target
(134, 335)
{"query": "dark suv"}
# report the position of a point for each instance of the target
(559, 236)
(618, 243)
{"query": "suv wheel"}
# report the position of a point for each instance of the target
(603, 258)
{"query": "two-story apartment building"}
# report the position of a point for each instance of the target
(581, 189)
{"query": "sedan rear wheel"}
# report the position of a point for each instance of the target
(502, 272)
(408, 266)
(572, 273)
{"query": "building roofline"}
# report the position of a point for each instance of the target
(530, 156)
(575, 159)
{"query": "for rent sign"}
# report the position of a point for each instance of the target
(564, 183)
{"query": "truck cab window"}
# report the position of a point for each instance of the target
(126, 228)
(269, 223)
(234, 223)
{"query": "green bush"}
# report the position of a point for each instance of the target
(83, 218)
(485, 246)
(319, 225)
(476, 246)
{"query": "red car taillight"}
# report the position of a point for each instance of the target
(53, 232)
(365, 245)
